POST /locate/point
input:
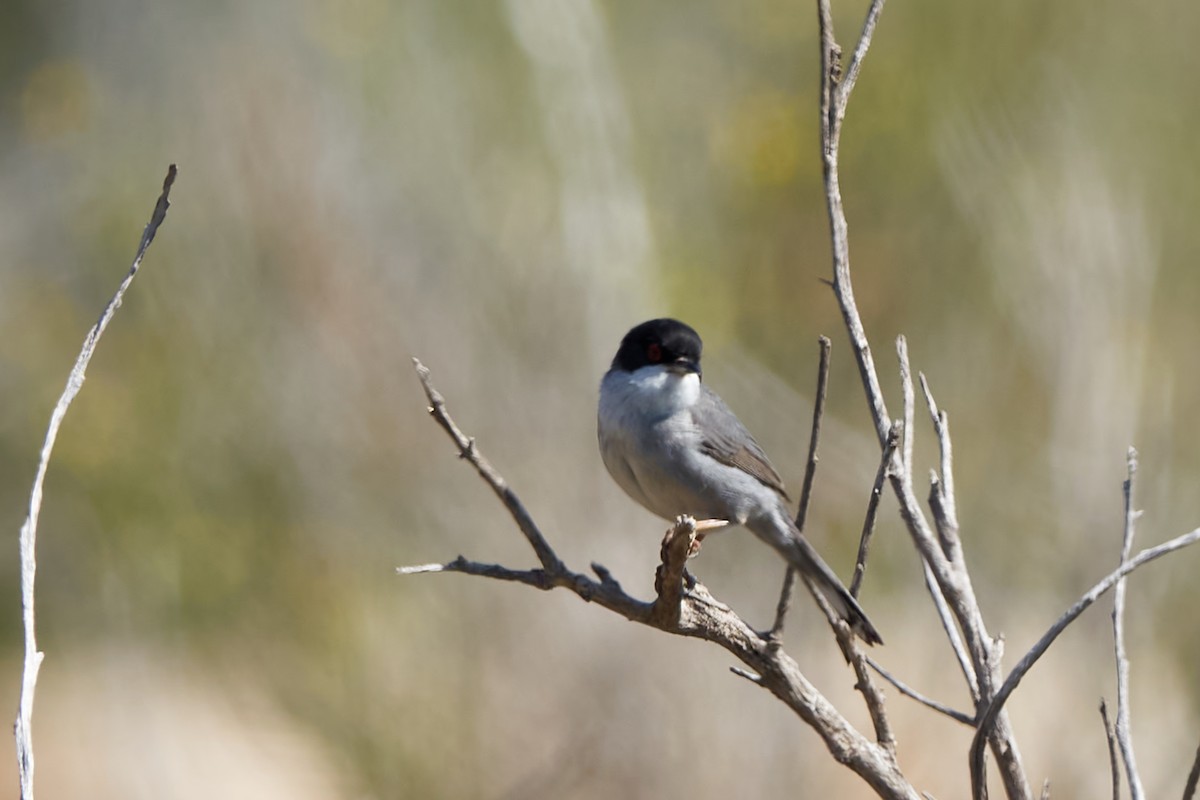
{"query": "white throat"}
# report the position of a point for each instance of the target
(651, 392)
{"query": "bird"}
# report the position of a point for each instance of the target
(675, 447)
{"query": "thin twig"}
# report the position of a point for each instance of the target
(28, 543)
(775, 635)
(951, 575)
(941, 427)
(814, 439)
(908, 691)
(860, 51)
(909, 407)
(747, 674)
(988, 718)
(693, 613)
(1124, 737)
(872, 694)
(467, 450)
(864, 540)
(952, 634)
(833, 107)
(538, 578)
(945, 535)
(1193, 778)
(1114, 767)
(810, 471)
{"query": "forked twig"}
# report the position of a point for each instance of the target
(691, 612)
(988, 718)
(945, 509)
(467, 450)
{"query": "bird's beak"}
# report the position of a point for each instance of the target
(685, 366)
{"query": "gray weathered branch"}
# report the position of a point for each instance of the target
(810, 471)
(683, 610)
(1124, 737)
(945, 563)
(992, 712)
(22, 729)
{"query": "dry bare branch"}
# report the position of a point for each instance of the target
(690, 611)
(988, 718)
(872, 694)
(28, 542)
(1114, 767)
(952, 635)
(950, 573)
(868, 530)
(1124, 738)
(467, 450)
(810, 471)
(833, 110)
(910, 404)
(948, 515)
(908, 691)
(1193, 778)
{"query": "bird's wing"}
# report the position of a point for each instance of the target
(726, 439)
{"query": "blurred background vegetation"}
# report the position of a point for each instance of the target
(503, 189)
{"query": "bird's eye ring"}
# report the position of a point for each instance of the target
(653, 353)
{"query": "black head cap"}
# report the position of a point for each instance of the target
(660, 341)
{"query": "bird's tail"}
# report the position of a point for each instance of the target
(808, 562)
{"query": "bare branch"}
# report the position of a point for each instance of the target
(908, 691)
(1124, 737)
(1114, 766)
(467, 450)
(1193, 779)
(28, 542)
(860, 52)
(747, 674)
(909, 406)
(810, 471)
(833, 106)
(872, 695)
(783, 605)
(988, 718)
(864, 541)
(682, 610)
(952, 634)
(951, 575)
(941, 427)
(537, 578)
(668, 581)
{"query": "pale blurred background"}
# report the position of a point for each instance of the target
(503, 189)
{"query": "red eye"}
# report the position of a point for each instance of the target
(653, 353)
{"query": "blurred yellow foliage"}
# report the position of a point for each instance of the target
(759, 140)
(56, 100)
